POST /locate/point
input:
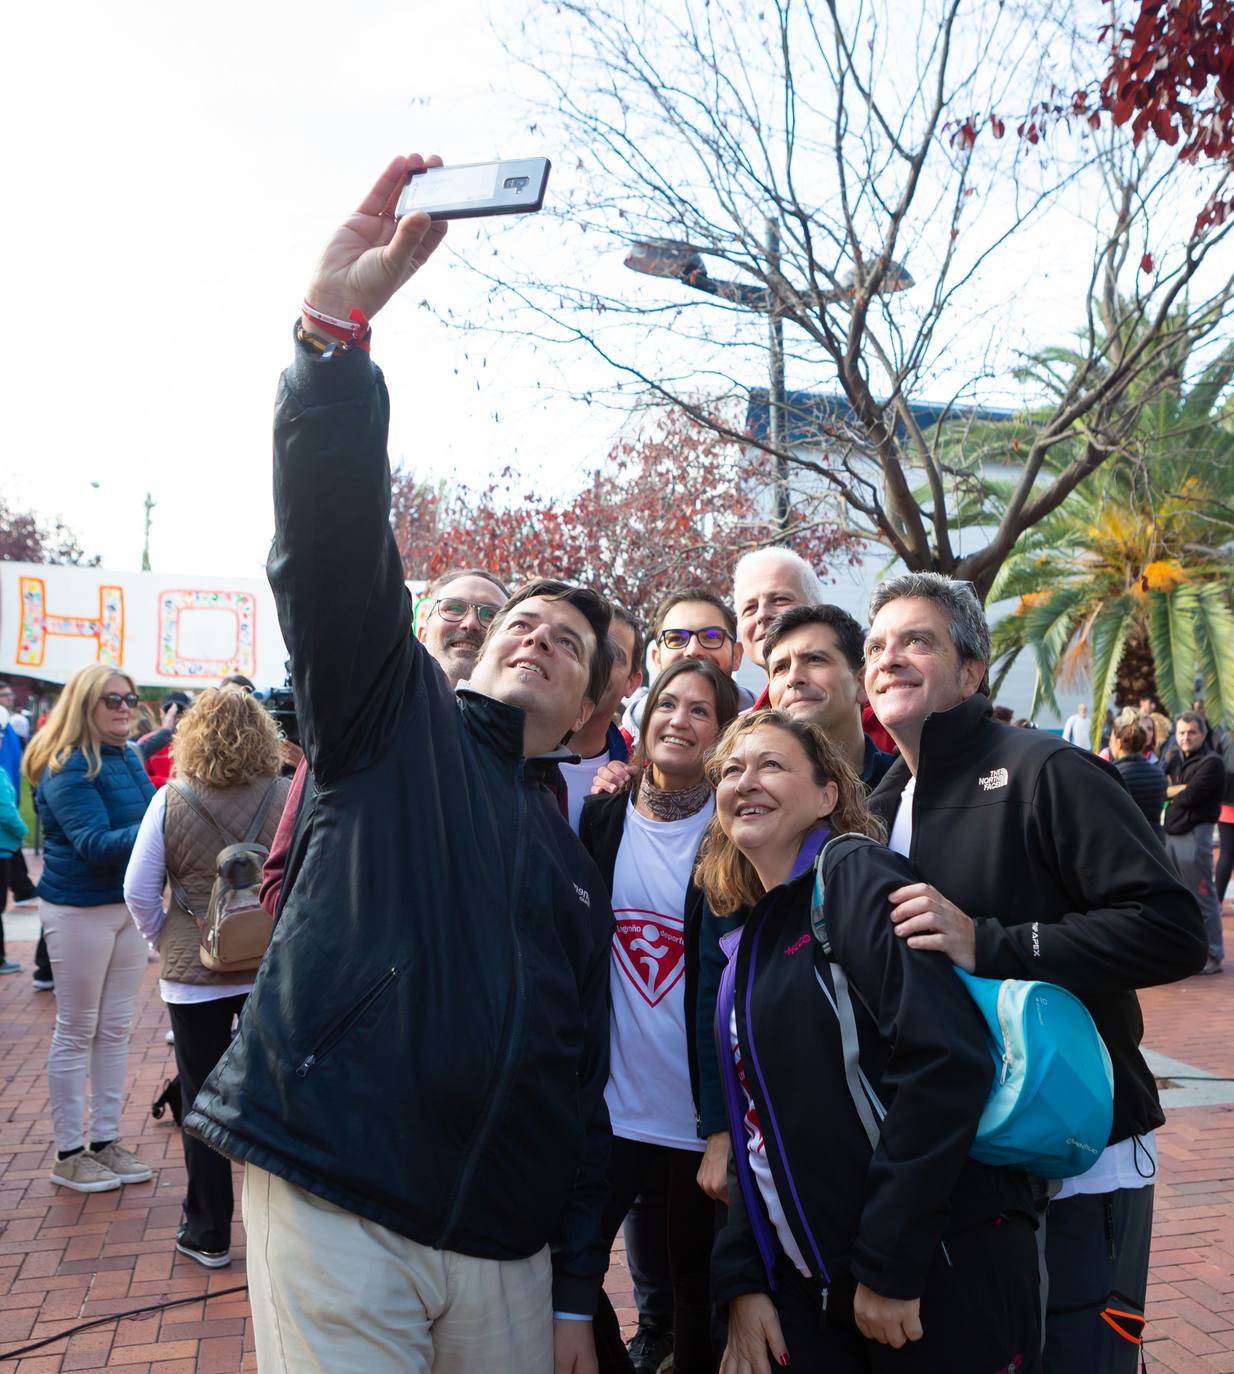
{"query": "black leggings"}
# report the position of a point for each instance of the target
(980, 1313)
(203, 1032)
(633, 1166)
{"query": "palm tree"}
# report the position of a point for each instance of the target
(1130, 580)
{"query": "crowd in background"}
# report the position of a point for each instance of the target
(550, 952)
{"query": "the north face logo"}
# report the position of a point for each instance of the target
(650, 950)
(993, 781)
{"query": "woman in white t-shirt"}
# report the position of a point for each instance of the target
(645, 841)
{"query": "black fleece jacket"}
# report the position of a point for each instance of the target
(1202, 774)
(1041, 844)
(427, 1041)
(924, 1048)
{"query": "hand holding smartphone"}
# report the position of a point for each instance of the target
(475, 189)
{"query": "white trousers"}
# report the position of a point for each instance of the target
(332, 1293)
(97, 959)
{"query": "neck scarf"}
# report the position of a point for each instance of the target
(673, 806)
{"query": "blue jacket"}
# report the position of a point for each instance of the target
(10, 756)
(89, 825)
(12, 827)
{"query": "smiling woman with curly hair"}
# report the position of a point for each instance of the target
(225, 790)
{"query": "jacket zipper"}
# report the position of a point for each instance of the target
(771, 1115)
(760, 1223)
(342, 1026)
(514, 1040)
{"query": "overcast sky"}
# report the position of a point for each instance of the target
(173, 172)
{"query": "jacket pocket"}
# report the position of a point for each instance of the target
(345, 1022)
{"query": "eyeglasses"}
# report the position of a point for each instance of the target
(454, 611)
(709, 637)
(114, 700)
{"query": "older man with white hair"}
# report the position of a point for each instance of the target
(765, 582)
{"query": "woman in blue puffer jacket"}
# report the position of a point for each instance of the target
(91, 791)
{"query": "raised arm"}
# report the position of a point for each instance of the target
(334, 566)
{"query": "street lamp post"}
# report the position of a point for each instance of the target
(776, 400)
(678, 261)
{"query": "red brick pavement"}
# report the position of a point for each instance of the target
(65, 1258)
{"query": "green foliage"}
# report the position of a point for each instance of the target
(1139, 559)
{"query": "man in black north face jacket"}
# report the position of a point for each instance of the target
(417, 1085)
(1037, 864)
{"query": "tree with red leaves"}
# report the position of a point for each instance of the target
(676, 504)
(24, 540)
(1172, 74)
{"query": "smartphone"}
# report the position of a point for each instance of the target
(476, 188)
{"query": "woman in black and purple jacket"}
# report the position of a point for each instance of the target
(840, 1254)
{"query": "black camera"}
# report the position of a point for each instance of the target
(281, 703)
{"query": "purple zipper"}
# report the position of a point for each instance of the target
(775, 1125)
(734, 1096)
(734, 1093)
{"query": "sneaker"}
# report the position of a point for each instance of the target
(123, 1163)
(84, 1173)
(43, 984)
(8, 966)
(1211, 965)
(650, 1350)
(212, 1259)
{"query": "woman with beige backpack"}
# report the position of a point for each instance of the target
(206, 834)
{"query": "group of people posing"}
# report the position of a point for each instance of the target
(529, 968)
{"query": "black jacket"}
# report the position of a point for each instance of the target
(427, 1041)
(924, 1048)
(1146, 783)
(1203, 774)
(600, 827)
(1042, 846)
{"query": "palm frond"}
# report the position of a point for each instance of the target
(1108, 637)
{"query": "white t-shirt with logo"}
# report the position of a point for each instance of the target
(648, 1091)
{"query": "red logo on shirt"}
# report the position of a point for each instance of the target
(650, 950)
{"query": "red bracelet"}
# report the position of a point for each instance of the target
(355, 329)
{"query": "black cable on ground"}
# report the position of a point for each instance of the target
(118, 1317)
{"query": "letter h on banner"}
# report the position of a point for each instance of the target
(38, 623)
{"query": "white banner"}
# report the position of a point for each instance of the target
(163, 630)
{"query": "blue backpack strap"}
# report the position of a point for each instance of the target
(870, 1111)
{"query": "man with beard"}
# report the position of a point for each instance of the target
(462, 605)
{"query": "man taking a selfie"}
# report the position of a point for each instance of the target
(417, 1084)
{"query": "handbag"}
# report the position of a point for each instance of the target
(1051, 1106)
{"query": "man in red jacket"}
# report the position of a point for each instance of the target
(158, 763)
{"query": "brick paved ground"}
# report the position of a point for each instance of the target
(65, 1257)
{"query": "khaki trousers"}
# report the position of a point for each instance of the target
(333, 1293)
